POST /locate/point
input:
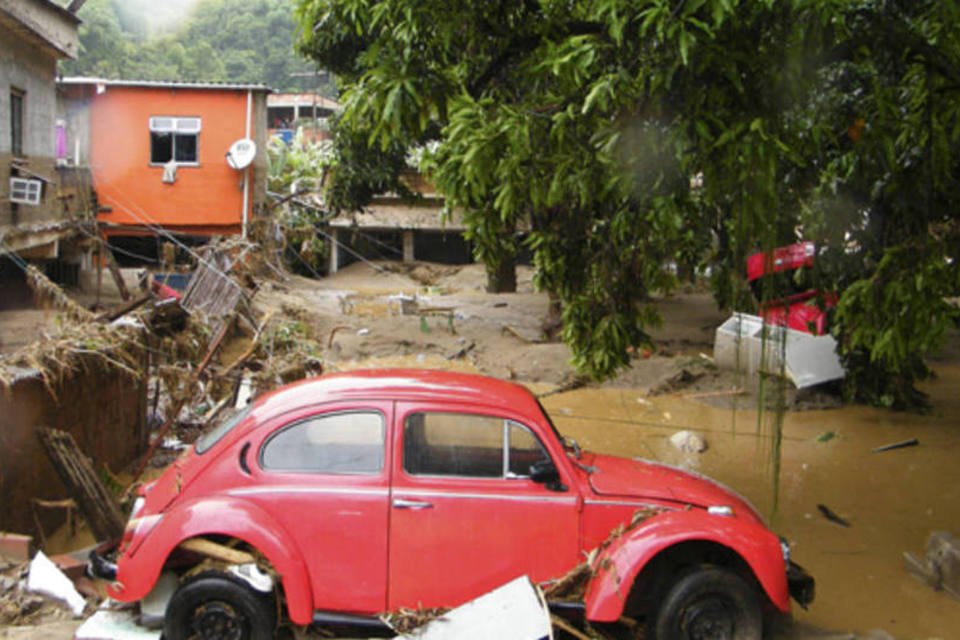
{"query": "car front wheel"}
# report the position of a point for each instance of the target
(216, 606)
(709, 603)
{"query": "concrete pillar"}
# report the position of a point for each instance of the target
(408, 253)
(334, 251)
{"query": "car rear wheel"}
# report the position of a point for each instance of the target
(708, 603)
(215, 606)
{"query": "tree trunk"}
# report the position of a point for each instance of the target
(502, 276)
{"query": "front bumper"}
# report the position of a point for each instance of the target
(801, 584)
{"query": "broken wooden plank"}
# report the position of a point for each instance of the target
(95, 502)
(117, 276)
(217, 551)
(112, 314)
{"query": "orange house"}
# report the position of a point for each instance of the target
(169, 154)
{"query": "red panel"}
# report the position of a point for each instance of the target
(474, 534)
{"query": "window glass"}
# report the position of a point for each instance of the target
(461, 444)
(214, 436)
(525, 450)
(333, 443)
(16, 122)
(185, 147)
(161, 147)
(453, 444)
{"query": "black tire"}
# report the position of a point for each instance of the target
(708, 603)
(215, 605)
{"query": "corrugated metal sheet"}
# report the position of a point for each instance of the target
(80, 80)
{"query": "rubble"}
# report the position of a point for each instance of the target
(46, 579)
(940, 567)
(688, 442)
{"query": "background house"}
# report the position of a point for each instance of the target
(286, 112)
(160, 155)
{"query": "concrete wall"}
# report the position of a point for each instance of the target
(46, 23)
(32, 69)
(103, 410)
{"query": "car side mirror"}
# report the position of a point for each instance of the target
(545, 472)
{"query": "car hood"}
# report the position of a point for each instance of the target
(623, 477)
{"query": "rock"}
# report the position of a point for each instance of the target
(688, 442)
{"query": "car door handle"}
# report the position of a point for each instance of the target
(400, 503)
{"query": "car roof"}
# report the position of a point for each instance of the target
(398, 384)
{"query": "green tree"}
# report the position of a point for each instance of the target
(587, 120)
(200, 40)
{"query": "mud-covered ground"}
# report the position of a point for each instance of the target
(438, 316)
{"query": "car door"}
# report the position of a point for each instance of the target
(465, 517)
(323, 476)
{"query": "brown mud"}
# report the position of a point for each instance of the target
(892, 500)
(823, 455)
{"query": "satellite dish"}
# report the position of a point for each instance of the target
(241, 153)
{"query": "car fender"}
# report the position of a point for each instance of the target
(227, 516)
(617, 566)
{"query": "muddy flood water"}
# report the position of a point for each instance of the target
(892, 500)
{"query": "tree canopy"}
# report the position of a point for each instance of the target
(240, 41)
(635, 134)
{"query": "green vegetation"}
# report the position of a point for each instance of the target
(299, 168)
(594, 121)
(239, 41)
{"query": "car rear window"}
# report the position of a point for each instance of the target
(338, 443)
(226, 425)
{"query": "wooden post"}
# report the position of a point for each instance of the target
(76, 471)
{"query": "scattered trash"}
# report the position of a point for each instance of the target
(903, 444)
(831, 516)
(114, 625)
(826, 436)
(515, 611)
(688, 442)
(153, 607)
(745, 343)
(363, 332)
(173, 443)
(460, 353)
(940, 568)
(47, 580)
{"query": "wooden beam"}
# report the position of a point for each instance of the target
(217, 551)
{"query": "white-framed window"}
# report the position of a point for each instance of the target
(174, 138)
(25, 191)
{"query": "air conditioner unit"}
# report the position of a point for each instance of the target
(25, 191)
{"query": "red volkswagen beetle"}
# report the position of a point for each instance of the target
(353, 494)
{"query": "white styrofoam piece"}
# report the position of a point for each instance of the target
(515, 611)
(744, 343)
(46, 579)
(106, 624)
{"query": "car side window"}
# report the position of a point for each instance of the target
(340, 443)
(469, 445)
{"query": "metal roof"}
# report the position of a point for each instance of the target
(164, 84)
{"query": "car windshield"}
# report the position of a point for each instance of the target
(553, 427)
(225, 426)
